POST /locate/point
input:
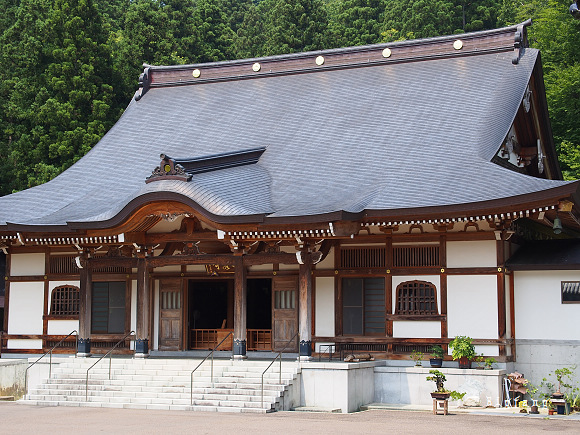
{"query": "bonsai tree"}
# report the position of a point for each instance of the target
(561, 375)
(439, 379)
(462, 348)
(437, 352)
(489, 362)
(417, 357)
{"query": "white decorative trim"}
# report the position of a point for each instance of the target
(495, 217)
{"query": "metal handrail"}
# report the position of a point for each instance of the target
(202, 361)
(50, 358)
(270, 365)
(110, 353)
(330, 348)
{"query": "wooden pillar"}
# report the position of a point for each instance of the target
(85, 307)
(501, 305)
(389, 292)
(512, 313)
(443, 282)
(305, 307)
(240, 308)
(143, 309)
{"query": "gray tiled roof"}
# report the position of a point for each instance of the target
(381, 137)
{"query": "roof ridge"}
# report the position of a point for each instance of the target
(511, 38)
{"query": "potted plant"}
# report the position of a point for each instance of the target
(489, 362)
(437, 353)
(534, 393)
(462, 349)
(439, 379)
(417, 357)
(456, 395)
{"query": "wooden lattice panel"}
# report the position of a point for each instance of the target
(415, 256)
(416, 298)
(65, 301)
(362, 257)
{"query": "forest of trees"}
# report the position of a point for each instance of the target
(69, 67)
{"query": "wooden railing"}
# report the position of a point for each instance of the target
(209, 338)
(259, 339)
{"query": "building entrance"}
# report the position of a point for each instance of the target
(210, 313)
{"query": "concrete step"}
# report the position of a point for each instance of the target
(200, 408)
(147, 384)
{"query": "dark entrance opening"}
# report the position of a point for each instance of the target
(259, 304)
(259, 314)
(208, 304)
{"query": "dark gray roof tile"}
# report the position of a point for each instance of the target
(381, 137)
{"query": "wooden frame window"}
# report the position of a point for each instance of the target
(416, 298)
(571, 292)
(363, 307)
(108, 308)
(64, 301)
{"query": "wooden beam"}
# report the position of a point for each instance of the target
(154, 239)
(277, 257)
(125, 262)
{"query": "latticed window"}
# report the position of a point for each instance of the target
(363, 307)
(417, 298)
(65, 301)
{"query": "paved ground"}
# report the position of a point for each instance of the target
(25, 419)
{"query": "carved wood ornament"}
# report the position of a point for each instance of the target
(168, 170)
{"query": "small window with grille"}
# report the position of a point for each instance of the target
(65, 301)
(416, 298)
(571, 292)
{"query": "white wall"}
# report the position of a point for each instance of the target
(472, 254)
(26, 308)
(328, 262)
(416, 328)
(26, 264)
(324, 307)
(539, 311)
(62, 327)
(176, 268)
(260, 268)
(472, 306)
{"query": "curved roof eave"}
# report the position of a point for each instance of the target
(508, 204)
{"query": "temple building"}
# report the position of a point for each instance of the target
(380, 198)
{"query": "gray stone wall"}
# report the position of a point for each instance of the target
(12, 377)
(536, 359)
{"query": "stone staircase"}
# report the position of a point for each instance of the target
(164, 384)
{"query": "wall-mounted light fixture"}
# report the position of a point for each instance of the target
(557, 227)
